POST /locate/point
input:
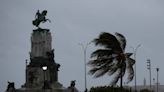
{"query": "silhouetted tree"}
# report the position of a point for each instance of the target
(111, 59)
(108, 89)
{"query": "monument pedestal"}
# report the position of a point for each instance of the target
(54, 87)
(42, 55)
(41, 90)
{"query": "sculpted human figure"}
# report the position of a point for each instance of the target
(10, 87)
(40, 17)
(72, 87)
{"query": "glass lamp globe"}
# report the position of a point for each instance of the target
(44, 68)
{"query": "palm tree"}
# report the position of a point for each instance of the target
(111, 59)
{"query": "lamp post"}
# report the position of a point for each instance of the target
(26, 69)
(149, 68)
(157, 78)
(154, 84)
(44, 74)
(85, 52)
(135, 73)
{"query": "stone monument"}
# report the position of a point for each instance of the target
(42, 70)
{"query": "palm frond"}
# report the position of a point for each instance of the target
(130, 61)
(108, 41)
(102, 42)
(116, 65)
(100, 62)
(128, 54)
(102, 53)
(121, 39)
(130, 71)
(93, 70)
(112, 70)
(106, 35)
(119, 70)
(99, 71)
(116, 78)
(102, 71)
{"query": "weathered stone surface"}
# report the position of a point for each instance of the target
(40, 43)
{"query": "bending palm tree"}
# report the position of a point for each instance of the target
(111, 59)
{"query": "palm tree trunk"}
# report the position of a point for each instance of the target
(121, 80)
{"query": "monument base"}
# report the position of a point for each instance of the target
(55, 87)
(40, 90)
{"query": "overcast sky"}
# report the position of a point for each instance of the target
(80, 21)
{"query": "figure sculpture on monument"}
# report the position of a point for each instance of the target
(40, 17)
(72, 87)
(10, 87)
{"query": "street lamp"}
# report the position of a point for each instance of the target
(154, 84)
(26, 69)
(149, 68)
(44, 70)
(135, 73)
(157, 78)
(44, 74)
(85, 52)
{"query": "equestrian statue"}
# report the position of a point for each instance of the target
(40, 17)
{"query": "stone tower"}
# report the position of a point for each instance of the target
(41, 55)
(40, 43)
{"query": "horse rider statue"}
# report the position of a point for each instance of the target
(40, 17)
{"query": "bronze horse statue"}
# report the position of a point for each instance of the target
(40, 17)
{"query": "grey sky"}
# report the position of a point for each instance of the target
(80, 21)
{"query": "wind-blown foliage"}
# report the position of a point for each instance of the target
(111, 58)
